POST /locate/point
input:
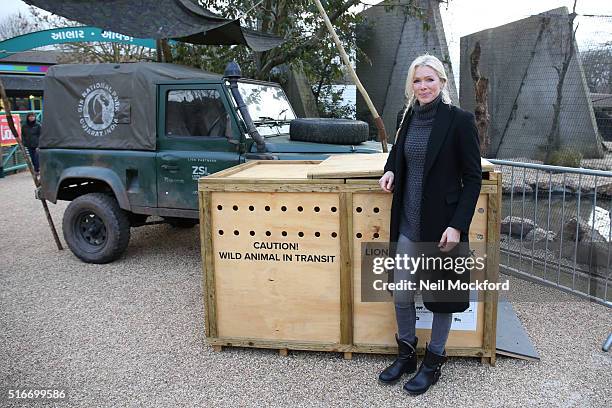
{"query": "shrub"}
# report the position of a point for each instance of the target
(565, 157)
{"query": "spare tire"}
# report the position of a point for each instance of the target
(326, 130)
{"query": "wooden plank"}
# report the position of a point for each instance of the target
(363, 181)
(331, 347)
(349, 166)
(486, 165)
(279, 187)
(266, 171)
(229, 171)
(517, 356)
(278, 180)
(495, 230)
(217, 348)
(450, 351)
(284, 296)
(278, 344)
(253, 163)
(361, 165)
(479, 226)
(369, 182)
(491, 297)
(348, 355)
(271, 172)
(346, 287)
(208, 269)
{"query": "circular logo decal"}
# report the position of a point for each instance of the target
(98, 107)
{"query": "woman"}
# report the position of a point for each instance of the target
(30, 133)
(434, 173)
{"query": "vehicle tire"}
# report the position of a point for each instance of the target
(96, 229)
(326, 130)
(181, 222)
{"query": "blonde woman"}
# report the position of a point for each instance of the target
(434, 173)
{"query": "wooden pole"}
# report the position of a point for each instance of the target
(11, 124)
(382, 133)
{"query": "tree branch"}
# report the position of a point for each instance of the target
(278, 58)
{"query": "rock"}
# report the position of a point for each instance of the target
(584, 231)
(592, 254)
(544, 188)
(516, 189)
(516, 225)
(584, 189)
(592, 248)
(605, 190)
(539, 235)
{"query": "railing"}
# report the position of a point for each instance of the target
(556, 227)
(12, 160)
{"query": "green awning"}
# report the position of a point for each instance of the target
(181, 20)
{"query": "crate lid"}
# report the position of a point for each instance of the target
(268, 172)
(359, 165)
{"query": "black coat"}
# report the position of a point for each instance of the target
(452, 178)
(30, 134)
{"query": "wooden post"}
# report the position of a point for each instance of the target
(11, 124)
(382, 133)
(346, 269)
(491, 297)
(206, 239)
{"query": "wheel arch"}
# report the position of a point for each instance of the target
(77, 181)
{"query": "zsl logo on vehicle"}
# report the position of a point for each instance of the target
(98, 107)
(199, 171)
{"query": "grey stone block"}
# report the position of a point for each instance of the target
(392, 40)
(521, 61)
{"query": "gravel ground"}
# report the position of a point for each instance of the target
(132, 334)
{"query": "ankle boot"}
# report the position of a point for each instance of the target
(405, 363)
(428, 374)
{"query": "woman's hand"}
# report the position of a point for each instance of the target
(386, 182)
(449, 239)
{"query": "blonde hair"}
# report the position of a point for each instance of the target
(433, 63)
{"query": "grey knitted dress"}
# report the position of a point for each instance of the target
(415, 149)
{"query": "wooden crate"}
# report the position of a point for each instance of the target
(303, 293)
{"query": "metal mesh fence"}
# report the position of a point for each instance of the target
(594, 38)
(541, 89)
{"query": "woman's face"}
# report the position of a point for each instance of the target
(426, 84)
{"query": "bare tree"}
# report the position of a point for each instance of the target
(481, 110)
(17, 24)
(598, 68)
(87, 52)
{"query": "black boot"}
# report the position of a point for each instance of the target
(428, 374)
(405, 363)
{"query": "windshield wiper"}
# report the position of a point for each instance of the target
(267, 120)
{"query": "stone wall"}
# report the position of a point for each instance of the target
(392, 39)
(522, 62)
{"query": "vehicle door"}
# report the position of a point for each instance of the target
(197, 135)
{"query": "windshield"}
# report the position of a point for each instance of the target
(268, 106)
